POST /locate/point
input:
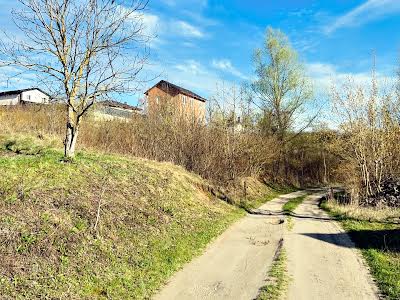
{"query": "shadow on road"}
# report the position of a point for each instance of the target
(388, 240)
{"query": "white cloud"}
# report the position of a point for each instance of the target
(158, 27)
(191, 66)
(194, 75)
(188, 30)
(324, 76)
(190, 3)
(150, 24)
(368, 11)
(226, 66)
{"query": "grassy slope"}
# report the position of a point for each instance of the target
(153, 219)
(379, 243)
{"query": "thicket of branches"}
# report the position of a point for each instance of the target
(217, 150)
(249, 131)
(367, 141)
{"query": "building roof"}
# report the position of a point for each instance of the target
(17, 92)
(113, 103)
(181, 90)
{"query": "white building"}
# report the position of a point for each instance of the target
(110, 110)
(26, 96)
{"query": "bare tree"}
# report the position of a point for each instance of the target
(368, 138)
(85, 50)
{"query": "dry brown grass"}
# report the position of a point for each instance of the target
(214, 152)
(372, 214)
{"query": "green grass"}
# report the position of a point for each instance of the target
(248, 205)
(153, 219)
(271, 193)
(292, 204)
(277, 279)
(379, 243)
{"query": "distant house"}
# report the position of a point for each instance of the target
(26, 96)
(110, 109)
(181, 99)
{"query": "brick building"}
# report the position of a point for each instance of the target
(179, 99)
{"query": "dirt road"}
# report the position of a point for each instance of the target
(235, 265)
(322, 261)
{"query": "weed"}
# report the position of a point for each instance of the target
(292, 204)
(277, 279)
(27, 240)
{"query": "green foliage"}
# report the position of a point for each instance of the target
(281, 87)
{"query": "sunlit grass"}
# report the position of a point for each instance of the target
(378, 239)
(278, 279)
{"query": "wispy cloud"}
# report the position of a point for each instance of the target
(159, 26)
(191, 66)
(367, 12)
(226, 66)
(190, 3)
(188, 30)
(195, 75)
(326, 75)
(150, 24)
(14, 78)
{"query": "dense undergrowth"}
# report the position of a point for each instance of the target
(378, 238)
(102, 226)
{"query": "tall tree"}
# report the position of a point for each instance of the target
(85, 49)
(281, 88)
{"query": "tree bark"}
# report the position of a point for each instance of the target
(71, 134)
(325, 168)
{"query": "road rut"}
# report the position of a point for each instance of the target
(322, 261)
(235, 265)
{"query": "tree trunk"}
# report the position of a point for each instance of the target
(325, 168)
(71, 134)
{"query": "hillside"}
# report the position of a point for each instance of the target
(153, 217)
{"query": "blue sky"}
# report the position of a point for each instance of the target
(201, 42)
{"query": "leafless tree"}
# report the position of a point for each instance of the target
(369, 135)
(85, 50)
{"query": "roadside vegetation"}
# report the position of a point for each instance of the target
(104, 226)
(129, 201)
(376, 232)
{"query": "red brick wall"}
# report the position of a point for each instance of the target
(175, 100)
